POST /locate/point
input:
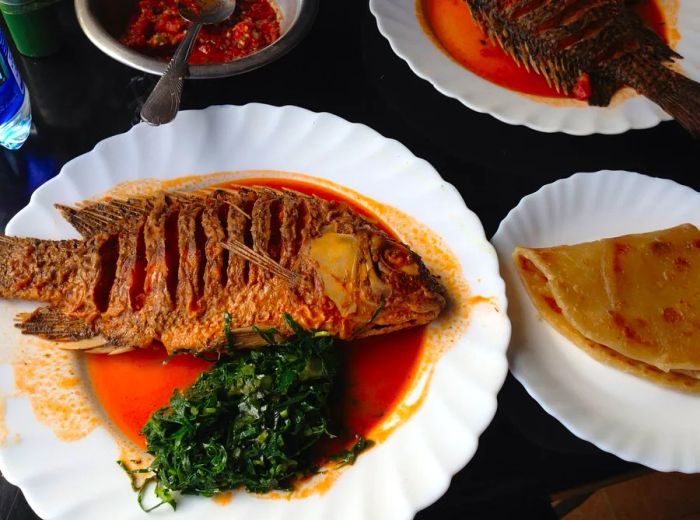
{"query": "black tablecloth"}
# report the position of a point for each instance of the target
(344, 66)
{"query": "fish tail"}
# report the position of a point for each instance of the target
(676, 94)
(681, 100)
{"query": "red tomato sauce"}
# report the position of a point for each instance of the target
(376, 372)
(156, 28)
(131, 386)
(453, 26)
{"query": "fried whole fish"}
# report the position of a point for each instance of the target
(167, 268)
(602, 41)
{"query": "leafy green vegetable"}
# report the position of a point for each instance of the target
(376, 312)
(227, 330)
(349, 456)
(249, 421)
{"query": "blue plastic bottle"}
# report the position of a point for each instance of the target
(15, 111)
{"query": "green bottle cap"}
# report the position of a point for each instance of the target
(33, 26)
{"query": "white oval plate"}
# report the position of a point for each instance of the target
(633, 418)
(403, 474)
(399, 24)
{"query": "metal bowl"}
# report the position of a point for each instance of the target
(104, 20)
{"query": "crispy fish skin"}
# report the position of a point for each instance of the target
(166, 269)
(565, 39)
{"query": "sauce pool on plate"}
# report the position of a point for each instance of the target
(376, 373)
(452, 25)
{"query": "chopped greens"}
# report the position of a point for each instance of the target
(250, 421)
(349, 456)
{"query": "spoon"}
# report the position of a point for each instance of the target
(164, 101)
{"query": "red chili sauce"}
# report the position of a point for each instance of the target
(452, 24)
(376, 371)
(157, 27)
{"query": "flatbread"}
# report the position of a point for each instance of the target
(632, 302)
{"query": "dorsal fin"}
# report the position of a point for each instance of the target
(295, 193)
(226, 195)
(89, 218)
(261, 260)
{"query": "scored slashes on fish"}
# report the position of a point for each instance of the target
(604, 41)
(167, 268)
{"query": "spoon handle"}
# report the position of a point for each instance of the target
(164, 101)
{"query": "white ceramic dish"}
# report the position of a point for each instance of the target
(398, 22)
(635, 419)
(408, 471)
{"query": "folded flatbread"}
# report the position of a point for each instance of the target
(632, 302)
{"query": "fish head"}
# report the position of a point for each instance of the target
(377, 283)
(409, 293)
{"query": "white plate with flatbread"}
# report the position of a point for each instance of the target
(621, 413)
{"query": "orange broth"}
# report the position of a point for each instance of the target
(451, 23)
(376, 370)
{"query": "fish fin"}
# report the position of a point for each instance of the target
(261, 260)
(52, 324)
(248, 337)
(95, 348)
(73, 333)
(97, 342)
(187, 196)
(680, 98)
(110, 350)
(295, 193)
(271, 191)
(602, 90)
(92, 217)
(227, 196)
(96, 345)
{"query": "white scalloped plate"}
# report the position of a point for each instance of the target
(398, 22)
(633, 418)
(413, 466)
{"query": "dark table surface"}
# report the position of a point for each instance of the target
(344, 66)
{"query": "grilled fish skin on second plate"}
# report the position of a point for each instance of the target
(603, 42)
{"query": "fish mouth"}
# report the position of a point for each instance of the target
(381, 329)
(401, 317)
(417, 319)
